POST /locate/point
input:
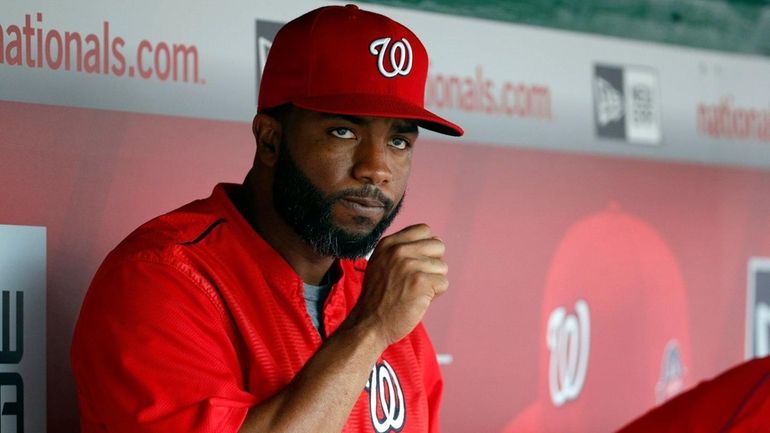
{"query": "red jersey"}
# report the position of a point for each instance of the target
(194, 318)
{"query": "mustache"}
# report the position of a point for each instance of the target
(367, 191)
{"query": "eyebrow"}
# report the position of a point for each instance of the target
(401, 126)
(406, 127)
(357, 120)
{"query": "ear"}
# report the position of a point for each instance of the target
(267, 133)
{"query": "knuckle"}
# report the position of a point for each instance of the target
(421, 278)
(404, 265)
(423, 226)
(425, 229)
(441, 286)
(384, 242)
(412, 279)
(399, 250)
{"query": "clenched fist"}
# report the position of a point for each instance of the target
(405, 273)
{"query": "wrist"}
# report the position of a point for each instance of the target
(368, 332)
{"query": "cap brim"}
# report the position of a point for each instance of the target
(379, 106)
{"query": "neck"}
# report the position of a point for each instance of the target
(256, 205)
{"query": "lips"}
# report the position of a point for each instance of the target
(365, 201)
(363, 205)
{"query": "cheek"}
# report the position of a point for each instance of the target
(322, 164)
(401, 172)
(328, 171)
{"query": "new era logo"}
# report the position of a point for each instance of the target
(758, 308)
(626, 104)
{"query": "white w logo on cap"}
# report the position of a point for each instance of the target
(400, 56)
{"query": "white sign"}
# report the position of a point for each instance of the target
(22, 319)
(758, 308)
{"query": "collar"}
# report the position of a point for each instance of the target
(272, 265)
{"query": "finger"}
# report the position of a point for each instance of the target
(428, 284)
(438, 284)
(422, 248)
(408, 234)
(426, 265)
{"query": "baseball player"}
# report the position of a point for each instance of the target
(253, 310)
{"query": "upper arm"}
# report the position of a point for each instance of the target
(153, 352)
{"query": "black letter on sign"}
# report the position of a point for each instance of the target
(7, 356)
(14, 407)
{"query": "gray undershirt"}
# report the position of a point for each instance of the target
(315, 296)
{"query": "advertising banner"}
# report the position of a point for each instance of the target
(559, 90)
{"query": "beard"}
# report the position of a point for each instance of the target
(309, 212)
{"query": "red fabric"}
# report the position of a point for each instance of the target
(737, 401)
(194, 318)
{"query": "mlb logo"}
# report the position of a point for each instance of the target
(627, 104)
(266, 31)
(758, 309)
(672, 372)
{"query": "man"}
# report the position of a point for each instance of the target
(252, 310)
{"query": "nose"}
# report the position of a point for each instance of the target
(372, 164)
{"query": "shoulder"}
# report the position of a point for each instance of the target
(196, 232)
(164, 236)
(155, 264)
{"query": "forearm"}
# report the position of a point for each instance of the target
(405, 273)
(323, 393)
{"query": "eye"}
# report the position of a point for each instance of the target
(342, 133)
(399, 143)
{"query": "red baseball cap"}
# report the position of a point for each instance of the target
(621, 272)
(344, 60)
